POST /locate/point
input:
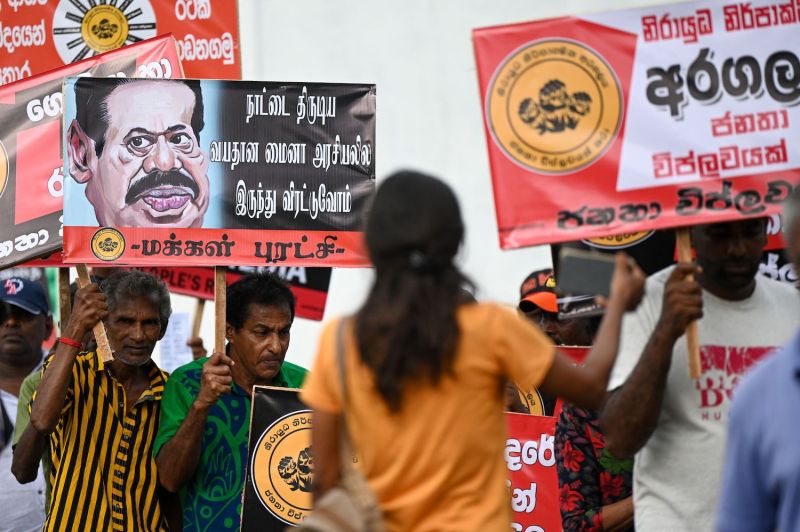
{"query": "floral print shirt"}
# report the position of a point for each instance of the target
(588, 476)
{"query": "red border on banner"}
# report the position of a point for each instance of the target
(156, 246)
(536, 207)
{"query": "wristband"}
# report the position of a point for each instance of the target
(70, 342)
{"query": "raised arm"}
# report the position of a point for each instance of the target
(631, 412)
(178, 458)
(90, 307)
(586, 386)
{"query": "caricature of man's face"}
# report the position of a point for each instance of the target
(151, 171)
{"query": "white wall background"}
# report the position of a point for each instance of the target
(419, 54)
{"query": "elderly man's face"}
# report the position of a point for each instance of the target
(134, 327)
(152, 171)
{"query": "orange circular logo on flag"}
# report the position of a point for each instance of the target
(625, 240)
(283, 467)
(554, 106)
(104, 28)
(108, 244)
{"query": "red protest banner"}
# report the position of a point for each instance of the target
(641, 119)
(31, 176)
(309, 285)
(533, 481)
(40, 35)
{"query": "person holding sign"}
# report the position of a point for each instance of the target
(102, 417)
(426, 369)
(675, 426)
(136, 146)
(27, 324)
(760, 481)
(201, 448)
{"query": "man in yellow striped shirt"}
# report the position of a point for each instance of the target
(103, 418)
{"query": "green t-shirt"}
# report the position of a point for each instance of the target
(212, 498)
(29, 386)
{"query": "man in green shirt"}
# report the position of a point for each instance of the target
(201, 447)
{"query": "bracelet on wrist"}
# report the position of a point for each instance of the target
(70, 342)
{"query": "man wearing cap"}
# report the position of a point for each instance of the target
(26, 326)
(539, 304)
(579, 443)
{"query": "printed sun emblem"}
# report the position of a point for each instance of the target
(84, 28)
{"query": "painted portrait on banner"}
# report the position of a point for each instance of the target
(135, 146)
(158, 172)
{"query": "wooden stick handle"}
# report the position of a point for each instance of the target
(103, 348)
(692, 338)
(220, 296)
(64, 299)
(198, 317)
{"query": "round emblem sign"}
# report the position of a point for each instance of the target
(84, 28)
(108, 244)
(554, 106)
(283, 467)
(622, 241)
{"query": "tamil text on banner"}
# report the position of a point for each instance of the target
(39, 35)
(533, 480)
(280, 464)
(31, 177)
(212, 173)
(642, 119)
(309, 285)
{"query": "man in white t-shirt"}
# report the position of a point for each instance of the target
(23, 330)
(676, 426)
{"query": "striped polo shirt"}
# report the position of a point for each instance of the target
(104, 473)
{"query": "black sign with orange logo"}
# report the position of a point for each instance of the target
(280, 466)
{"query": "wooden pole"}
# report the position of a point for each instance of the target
(103, 348)
(692, 339)
(220, 297)
(64, 299)
(198, 317)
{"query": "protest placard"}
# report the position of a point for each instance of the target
(642, 119)
(213, 173)
(309, 285)
(530, 457)
(31, 179)
(39, 35)
(280, 464)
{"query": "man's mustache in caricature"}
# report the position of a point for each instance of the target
(157, 178)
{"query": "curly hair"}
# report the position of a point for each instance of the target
(130, 284)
